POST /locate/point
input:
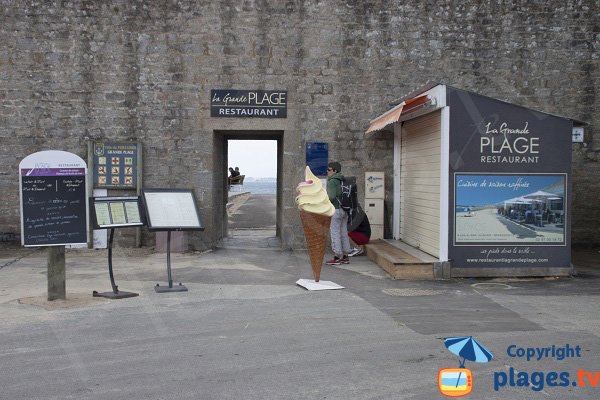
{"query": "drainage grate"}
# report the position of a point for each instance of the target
(492, 285)
(413, 292)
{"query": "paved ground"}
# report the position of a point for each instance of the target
(244, 330)
(262, 215)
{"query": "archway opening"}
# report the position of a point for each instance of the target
(253, 187)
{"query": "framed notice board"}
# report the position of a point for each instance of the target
(115, 165)
(53, 199)
(115, 212)
(171, 210)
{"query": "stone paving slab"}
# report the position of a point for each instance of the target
(246, 330)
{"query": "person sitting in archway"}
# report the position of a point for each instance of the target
(234, 172)
(234, 175)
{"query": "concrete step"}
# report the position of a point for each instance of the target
(398, 263)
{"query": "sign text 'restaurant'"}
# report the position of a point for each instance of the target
(248, 103)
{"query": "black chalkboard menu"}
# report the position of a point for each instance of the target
(54, 209)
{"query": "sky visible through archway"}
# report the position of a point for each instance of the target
(255, 158)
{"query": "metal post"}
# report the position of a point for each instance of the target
(56, 273)
(140, 184)
(115, 294)
(169, 277)
(115, 288)
(170, 288)
(90, 186)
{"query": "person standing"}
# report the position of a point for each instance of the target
(340, 244)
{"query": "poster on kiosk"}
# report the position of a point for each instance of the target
(509, 182)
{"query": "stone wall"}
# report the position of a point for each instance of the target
(73, 71)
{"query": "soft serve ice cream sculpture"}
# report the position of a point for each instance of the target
(315, 212)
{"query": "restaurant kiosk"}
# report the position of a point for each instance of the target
(480, 184)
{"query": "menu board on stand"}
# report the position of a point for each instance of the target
(111, 213)
(171, 210)
(53, 193)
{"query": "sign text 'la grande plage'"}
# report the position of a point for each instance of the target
(248, 103)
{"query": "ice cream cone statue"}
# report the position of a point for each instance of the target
(315, 212)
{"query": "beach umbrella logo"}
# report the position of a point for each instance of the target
(458, 382)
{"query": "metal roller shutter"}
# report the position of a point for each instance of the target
(420, 182)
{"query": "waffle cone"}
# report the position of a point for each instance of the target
(316, 231)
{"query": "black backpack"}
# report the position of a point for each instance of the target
(349, 198)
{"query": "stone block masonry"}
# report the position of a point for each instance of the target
(73, 71)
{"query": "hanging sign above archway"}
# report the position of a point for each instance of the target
(248, 103)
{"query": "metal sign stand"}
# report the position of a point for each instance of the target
(171, 210)
(115, 294)
(170, 288)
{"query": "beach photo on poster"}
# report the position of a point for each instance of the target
(501, 208)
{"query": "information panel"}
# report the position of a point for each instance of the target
(53, 199)
(115, 212)
(171, 209)
(115, 165)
